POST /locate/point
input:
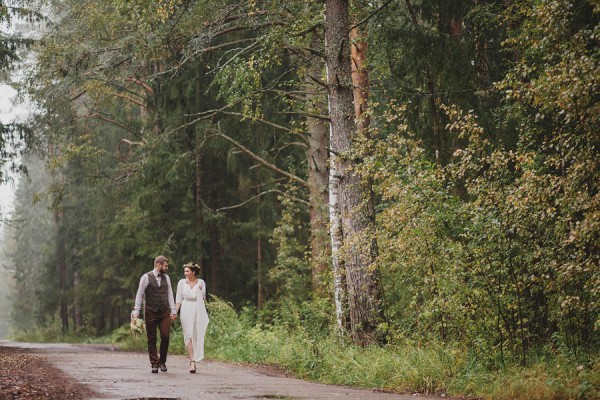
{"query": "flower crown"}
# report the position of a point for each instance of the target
(192, 266)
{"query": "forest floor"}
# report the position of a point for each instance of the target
(65, 371)
(29, 376)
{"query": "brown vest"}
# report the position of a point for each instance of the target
(157, 297)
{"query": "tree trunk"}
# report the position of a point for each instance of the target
(316, 155)
(335, 227)
(76, 302)
(61, 268)
(360, 78)
(432, 100)
(260, 295)
(61, 261)
(438, 144)
(353, 202)
(198, 181)
(215, 257)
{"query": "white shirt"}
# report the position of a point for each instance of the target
(139, 297)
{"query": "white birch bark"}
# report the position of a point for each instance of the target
(335, 228)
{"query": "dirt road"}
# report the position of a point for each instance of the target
(119, 375)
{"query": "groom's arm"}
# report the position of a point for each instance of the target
(140, 296)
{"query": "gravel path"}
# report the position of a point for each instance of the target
(101, 372)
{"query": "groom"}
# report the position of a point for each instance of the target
(155, 287)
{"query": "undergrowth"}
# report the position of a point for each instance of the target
(296, 341)
(433, 369)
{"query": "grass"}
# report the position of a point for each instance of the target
(54, 334)
(314, 354)
(434, 369)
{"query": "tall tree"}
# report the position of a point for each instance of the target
(352, 207)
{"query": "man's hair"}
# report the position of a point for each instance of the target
(160, 260)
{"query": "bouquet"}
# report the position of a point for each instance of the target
(137, 326)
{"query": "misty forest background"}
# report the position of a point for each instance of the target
(414, 181)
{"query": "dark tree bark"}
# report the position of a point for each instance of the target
(353, 200)
(76, 302)
(260, 291)
(214, 261)
(61, 270)
(61, 255)
(198, 180)
(432, 100)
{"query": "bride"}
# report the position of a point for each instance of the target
(191, 294)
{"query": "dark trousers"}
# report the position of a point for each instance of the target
(162, 321)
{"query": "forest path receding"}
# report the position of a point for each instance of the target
(111, 374)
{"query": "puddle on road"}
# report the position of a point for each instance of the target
(263, 396)
(155, 398)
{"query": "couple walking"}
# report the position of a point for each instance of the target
(161, 309)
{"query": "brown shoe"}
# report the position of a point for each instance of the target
(155, 369)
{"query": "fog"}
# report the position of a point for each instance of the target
(11, 110)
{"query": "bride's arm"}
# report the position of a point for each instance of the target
(179, 295)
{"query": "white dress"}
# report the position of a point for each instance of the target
(193, 315)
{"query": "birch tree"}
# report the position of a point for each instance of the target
(351, 201)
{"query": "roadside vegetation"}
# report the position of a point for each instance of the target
(296, 342)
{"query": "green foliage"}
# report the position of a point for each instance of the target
(127, 167)
(291, 273)
(431, 369)
(52, 332)
(497, 250)
(240, 82)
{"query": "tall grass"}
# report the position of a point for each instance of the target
(52, 332)
(409, 368)
(297, 341)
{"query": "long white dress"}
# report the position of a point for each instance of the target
(193, 315)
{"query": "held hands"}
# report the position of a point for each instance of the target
(135, 315)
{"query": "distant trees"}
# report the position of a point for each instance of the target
(13, 135)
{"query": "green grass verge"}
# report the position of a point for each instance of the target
(310, 352)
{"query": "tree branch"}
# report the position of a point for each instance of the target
(124, 96)
(318, 81)
(368, 17)
(261, 160)
(110, 121)
(144, 85)
(306, 203)
(311, 115)
(264, 121)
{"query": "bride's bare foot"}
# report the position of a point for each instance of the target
(192, 367)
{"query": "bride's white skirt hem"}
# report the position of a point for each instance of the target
(194, 321)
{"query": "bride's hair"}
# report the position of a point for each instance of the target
(195, 268)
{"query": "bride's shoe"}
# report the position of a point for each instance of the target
(192, 367)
